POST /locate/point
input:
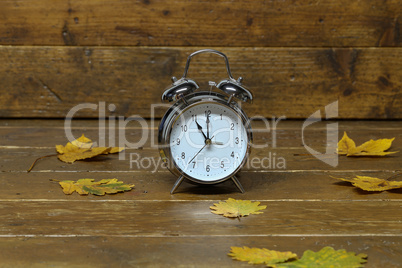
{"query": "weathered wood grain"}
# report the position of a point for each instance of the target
(106, 251)
(280, 186)
(40, 226)
(194, 218)
(282, 150)
(198, 23)
(278, 159)
(148, 160)
(270, 134)
(349, 125)
(296, 57)
(292, 82)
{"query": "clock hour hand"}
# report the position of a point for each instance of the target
(217, 142)
(200, 129)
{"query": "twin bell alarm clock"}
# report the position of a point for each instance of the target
(205, 136)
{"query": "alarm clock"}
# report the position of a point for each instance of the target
(205, 136)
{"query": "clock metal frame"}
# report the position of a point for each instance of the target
(174, 113)
(182, 92)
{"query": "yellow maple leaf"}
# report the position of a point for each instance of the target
(374, 147)
(233, 208)
(82, 142)
(81, 148)
(114, 150)
(346, 146)
(326, 257)
(89, 186)
(260, 255)
(373, 184)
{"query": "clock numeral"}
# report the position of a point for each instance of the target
(221, 116)
(207, 113)
(183, 155)
(237, 140)
(178, 141)
(194, 164)
(232, 126)
(194, 117)
(208, 169)
(222, 164)
(232, 155)
(183, 128)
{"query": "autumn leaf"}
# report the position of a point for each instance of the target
(82, 148)
(260, 255)
(79, 149)
(89, 186)
(327, 257)
(373, 184)
(232, 208)
(371, 147)
(346, 146)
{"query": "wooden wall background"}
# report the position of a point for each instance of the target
(296, 56)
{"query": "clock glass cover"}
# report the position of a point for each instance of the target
(208, 142)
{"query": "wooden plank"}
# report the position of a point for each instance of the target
(306, 208)
(179, 251)
(292, 82)
(198, 23)
(133, 218)
(272, 134)
(148, 160)
(285, 124)
(282, 151)
(281, 186)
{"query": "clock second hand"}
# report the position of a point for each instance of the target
(197, 154)
(207, 142)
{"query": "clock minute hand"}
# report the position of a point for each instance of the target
(200, 129)
(208, 126)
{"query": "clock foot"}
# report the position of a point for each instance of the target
(181, 179)
(177, 184)
(238, 185)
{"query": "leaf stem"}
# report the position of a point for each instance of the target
(394, 176)
(33, 164)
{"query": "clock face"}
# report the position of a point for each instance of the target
(208, 142)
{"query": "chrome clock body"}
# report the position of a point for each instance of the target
(205, 136)
(184, 148)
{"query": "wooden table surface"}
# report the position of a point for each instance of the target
(40, 226)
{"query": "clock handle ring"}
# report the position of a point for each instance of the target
(213, 51)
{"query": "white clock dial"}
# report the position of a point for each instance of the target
(208, 142)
